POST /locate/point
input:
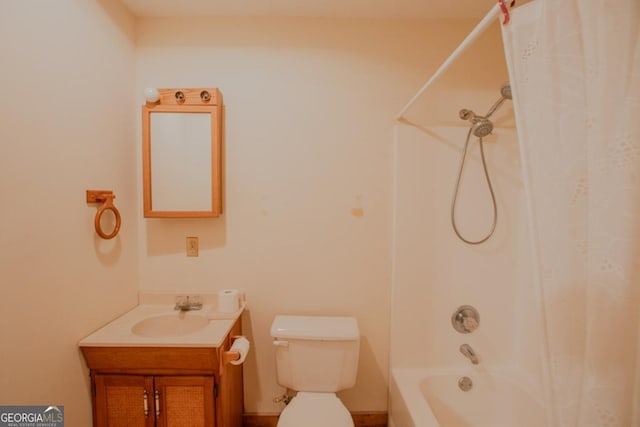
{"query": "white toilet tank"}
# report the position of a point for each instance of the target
(316, 353)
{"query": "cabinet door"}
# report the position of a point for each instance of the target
(185, 401)
(123, 401)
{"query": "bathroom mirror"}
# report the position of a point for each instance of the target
(181, 134)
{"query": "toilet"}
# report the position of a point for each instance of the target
(316, 356)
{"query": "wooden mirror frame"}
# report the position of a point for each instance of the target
(193, 100)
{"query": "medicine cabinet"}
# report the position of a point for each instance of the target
(181, 153)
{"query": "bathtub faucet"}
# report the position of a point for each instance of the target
(468, 352)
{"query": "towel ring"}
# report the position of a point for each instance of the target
(106, 197)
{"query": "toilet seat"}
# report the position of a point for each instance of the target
(309, 409)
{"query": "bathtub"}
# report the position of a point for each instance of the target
(423, 398)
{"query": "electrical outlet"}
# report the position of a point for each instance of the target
(192, 246)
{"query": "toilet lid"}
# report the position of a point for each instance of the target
(315, 410)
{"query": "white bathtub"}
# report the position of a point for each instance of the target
(423, 398)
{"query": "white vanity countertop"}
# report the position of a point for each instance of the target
(118, 333)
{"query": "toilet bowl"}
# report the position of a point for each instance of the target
(316, 356)
(327, 407)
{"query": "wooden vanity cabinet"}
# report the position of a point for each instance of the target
(147, 401)
(165, 386)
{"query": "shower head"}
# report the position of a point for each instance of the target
(505, 91)
(482, 127)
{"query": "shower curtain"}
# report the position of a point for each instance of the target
(574, 67)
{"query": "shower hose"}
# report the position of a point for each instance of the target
(457, 188)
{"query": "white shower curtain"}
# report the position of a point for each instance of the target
(574, 67)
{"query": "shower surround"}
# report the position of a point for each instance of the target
(435, 273)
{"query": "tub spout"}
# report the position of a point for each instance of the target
(468, 352)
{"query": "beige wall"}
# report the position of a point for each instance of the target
(309, 117)
(67, 124)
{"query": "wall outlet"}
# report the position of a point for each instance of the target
(192, 246)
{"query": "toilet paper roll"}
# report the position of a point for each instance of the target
(241, 345)
(228, 300)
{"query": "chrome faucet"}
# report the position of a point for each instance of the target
(187, 303)
(468, 352)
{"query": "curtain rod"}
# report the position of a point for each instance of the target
(479, 29)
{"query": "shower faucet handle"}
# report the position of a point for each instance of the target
(465, 319)
(469, 323)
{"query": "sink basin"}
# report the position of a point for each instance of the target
(170, 325)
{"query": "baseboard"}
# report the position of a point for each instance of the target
(370, 419)
(259, 420)
(360, 419)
